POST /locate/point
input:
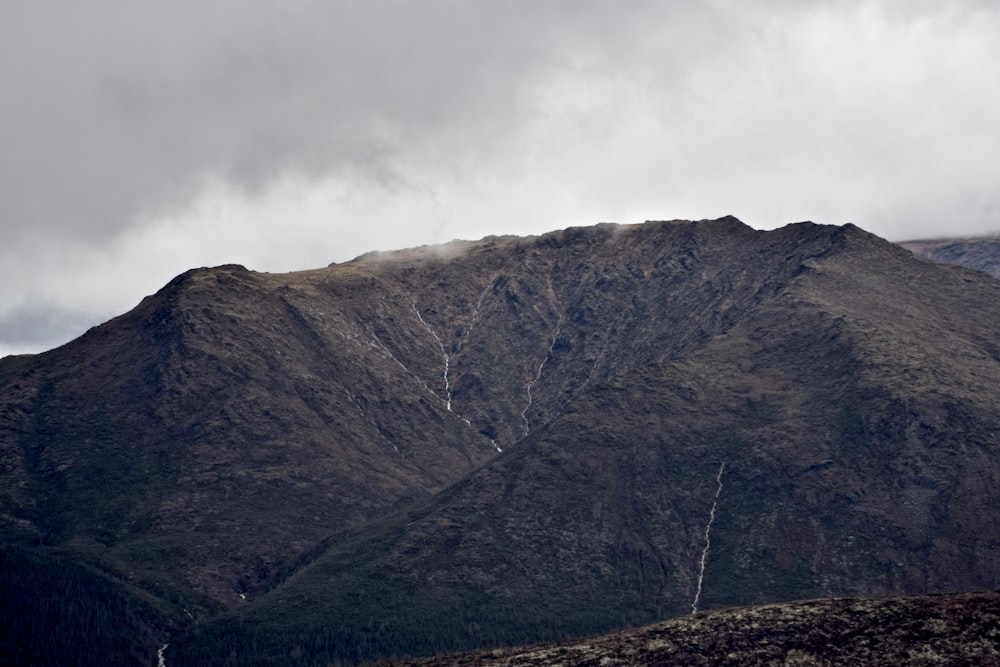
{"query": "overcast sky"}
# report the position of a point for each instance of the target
(140, 139)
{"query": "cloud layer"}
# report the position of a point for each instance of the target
(141, 140)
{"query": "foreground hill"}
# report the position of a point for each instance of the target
(936, 630)
(504, 441)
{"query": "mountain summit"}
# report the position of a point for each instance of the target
(511, 440)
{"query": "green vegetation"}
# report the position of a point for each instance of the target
(56, 611)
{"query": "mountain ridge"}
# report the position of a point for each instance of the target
(257, 435)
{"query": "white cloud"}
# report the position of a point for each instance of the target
(331, 129)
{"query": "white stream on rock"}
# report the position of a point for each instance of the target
(708, 542)
(444, 354)
(538, 374)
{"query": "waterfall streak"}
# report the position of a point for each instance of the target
(444, 354)
(160, 660)
(371, 422)
(475, 315)
(379, 345)
(538, 374)
(447, 359)
(597, 362)
(708, 542)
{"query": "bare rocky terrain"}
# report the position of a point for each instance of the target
(500, 442)
(935, 630)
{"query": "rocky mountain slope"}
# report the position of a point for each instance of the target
(933, 630)
(510, 440)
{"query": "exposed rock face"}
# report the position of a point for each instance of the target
(320, 452)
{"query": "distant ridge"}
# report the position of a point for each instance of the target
(980, 253)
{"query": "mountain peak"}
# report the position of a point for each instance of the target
(552, 435)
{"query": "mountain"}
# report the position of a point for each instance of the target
(926, 630)
(505, 441)
(980, 253)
